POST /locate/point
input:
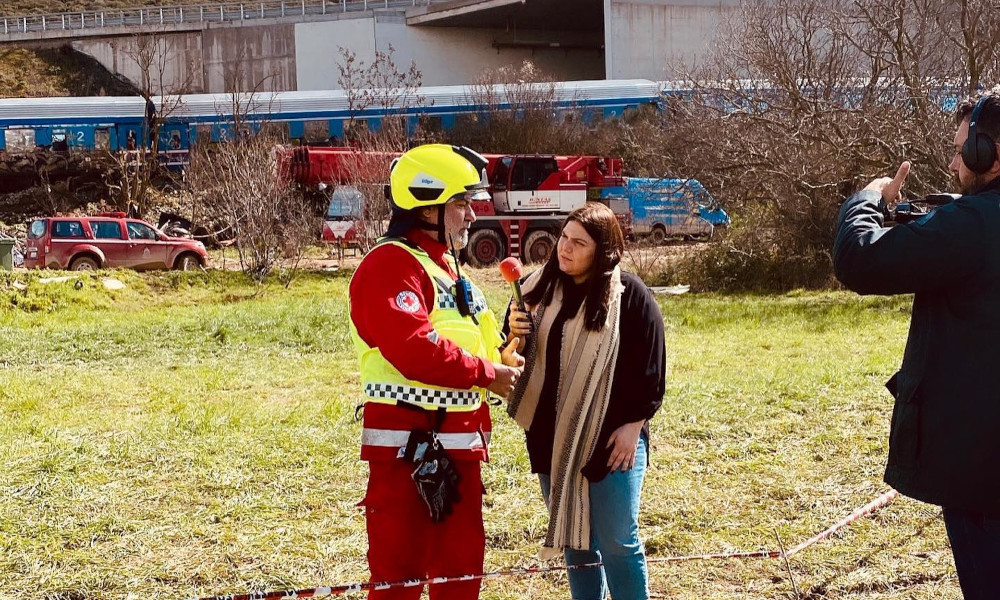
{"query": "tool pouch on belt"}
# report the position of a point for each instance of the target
(435, 474)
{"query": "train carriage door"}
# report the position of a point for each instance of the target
(174, 145)
(128, 138)
(61, 140)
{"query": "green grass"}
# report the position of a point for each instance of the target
(193, 434)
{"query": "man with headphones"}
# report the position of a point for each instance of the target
(429, 351)
(944, 440)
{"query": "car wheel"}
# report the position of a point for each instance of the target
(187, 262)
(538, 246)
(84, 263)
(659, 235)
(485, 248)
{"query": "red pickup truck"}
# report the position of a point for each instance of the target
(105, 241)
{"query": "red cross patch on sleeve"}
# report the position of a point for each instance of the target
(407, 301)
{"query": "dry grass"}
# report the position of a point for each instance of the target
(35, 7)
(40, 73)
(194, 434)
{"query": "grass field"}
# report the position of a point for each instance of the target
(194, 434)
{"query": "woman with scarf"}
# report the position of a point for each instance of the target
(594, 376)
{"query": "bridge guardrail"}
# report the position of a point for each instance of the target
(90, 20)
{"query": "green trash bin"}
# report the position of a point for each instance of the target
(7, 254)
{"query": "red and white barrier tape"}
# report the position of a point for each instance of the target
(319, 592)
(865, 510)
(755, 554)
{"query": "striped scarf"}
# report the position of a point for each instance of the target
(586, 368)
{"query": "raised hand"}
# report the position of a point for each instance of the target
(890, 187)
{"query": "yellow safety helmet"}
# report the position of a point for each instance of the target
(433, 174)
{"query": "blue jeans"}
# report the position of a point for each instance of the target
(614, 537)
(975, 543)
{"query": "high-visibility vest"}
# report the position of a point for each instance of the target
(381, 382)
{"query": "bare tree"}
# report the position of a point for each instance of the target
(137, 170)
(380, 85)
(238, 182)
(805, 102)
(270, 219)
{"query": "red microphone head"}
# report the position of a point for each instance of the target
(511, 269)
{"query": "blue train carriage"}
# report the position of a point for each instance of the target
(670, 208)
(327, 116)
(68, 123)
(122, 123)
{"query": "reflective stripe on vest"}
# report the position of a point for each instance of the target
(382, 383)
(446, 297)
(392, 438)
(421, 395)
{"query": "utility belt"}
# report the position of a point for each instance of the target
(434, 474)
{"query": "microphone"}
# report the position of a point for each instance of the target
(511, 270)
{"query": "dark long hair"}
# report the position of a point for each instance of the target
(602, 225)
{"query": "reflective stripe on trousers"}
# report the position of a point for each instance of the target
(394, 438)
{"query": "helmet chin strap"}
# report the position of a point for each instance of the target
(437, 228)
(440, 226)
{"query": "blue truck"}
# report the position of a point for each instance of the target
(669, 208)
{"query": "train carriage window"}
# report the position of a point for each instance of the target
(395, 124)
(276, 129)
(355, 129)
(203, 133)
(59, 142)
(466, 120)
(19, 140)
(102, 139)
(431, 123)
(317, 132)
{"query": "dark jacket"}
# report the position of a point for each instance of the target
(944, 440)
(637, 386)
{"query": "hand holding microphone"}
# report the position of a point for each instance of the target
(518, 319)
(512, 272)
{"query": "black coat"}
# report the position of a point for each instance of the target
(944, 440)
(638, 384)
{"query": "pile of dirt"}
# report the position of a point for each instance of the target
(35, 73)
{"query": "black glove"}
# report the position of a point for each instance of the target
(435, 475)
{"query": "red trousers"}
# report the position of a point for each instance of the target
(403, 542)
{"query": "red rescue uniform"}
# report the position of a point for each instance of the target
(391, 298)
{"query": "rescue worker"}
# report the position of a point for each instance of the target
(429, 351)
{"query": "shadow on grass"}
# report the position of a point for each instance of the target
(821, 590)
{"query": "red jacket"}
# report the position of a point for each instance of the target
(404, 339)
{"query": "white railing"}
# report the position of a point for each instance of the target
(170, 16)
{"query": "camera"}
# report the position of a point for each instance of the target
(911, 210)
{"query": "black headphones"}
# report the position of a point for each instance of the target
(979, 151)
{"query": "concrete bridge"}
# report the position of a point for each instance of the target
(295, 44)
